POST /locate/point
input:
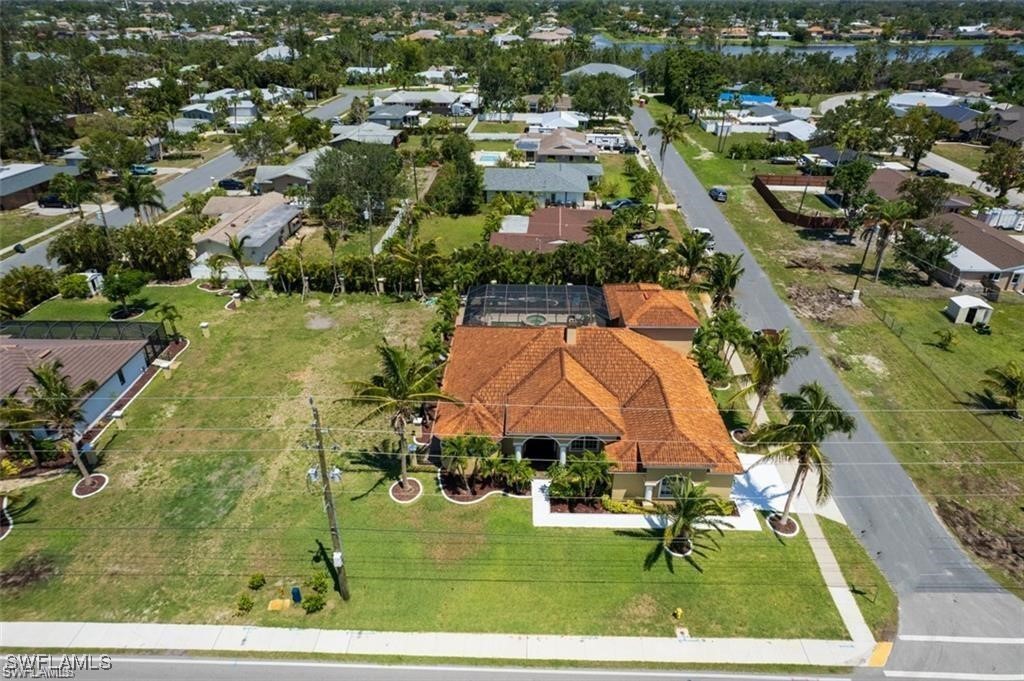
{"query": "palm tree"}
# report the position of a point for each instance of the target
(773, 354)
(516, 474)
(58, 404)
(721, 273)
(168, 314)
(332, 238)
(19, 419)
(456, 459)
(236, 249)
(404, 383)
(692, 251)
(670, 126)
(1005, 385)
(216, 263)
(813, 416)
(886, 219)
(693, 514)
(139, 194)
(76, 191)
(419, 255)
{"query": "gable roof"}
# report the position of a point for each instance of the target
(548, 228)
(608, 382)
(559, 142)
(261, 218)
(991, 244)
(544, 178)
(649, 306)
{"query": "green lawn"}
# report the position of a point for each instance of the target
(492, 145)
(207, 488)
(811, 204)
(18, 225)
(967, 155)
(874, 596)
(209, 148)
(500, 126)
(452, 232)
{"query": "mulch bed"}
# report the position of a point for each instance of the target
(407, 493)
(567, 506)
(207, 287)
(232, 305)
(455, 489)
(87, 486)
(776, 523)
(120, 315)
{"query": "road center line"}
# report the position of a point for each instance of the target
(964, 639)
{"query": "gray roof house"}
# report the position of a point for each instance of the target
(267, 220)
(394, 116)
(365, 133)
(277, 53)
(280, 178)
(22, 183)
(595, 69)
(565, 183)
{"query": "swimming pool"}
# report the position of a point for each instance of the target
(489, 158)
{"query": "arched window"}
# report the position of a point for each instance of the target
(665, 486)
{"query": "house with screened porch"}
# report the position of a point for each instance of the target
(547, 371)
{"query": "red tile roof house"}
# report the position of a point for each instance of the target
(547, 386)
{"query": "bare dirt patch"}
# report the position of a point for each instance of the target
(818, 304)
(1006, 552)
(318, 322)
(872, 364)
(32, 569)
(641, 607)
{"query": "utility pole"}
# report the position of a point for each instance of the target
(855, 297)
(368, 214)
(332, 516)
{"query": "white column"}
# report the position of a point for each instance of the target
(519, 451)
(649, 486)
(561, 453)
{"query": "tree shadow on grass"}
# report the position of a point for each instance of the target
(658, 552)
(985, 402)
(18, 507)
(381, 457)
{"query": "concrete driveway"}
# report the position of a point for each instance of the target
(954, 619)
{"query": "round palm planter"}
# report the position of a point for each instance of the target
(790, 531)
(412, 491)
(737, 434)
(679, 548)
(87, 487)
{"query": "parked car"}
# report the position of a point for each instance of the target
(231, 183)
(630, 149)
(718, 194)
(933, 172)
(783, 160)
(709, 244)
(142, 169)
(620, 203)
(53, 201)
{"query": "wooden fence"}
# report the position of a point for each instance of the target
(761, 184)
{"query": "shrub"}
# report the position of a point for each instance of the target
(616, 506)
(245, 604)
(319, 582)
(23, 288)
(257, 581)
(8, 469)
(314, 603)
(74, 286)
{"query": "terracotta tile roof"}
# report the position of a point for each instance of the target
(649, 306)
(605, 382)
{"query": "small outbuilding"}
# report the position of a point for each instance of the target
(968, 310)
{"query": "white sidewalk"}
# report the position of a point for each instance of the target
(199, 637)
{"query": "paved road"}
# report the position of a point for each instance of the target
(967, 177)
(195, 180)
(199, 669)
(942, 592)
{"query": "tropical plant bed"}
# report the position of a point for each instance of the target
(86, 487)
(679, 547)
(569, 506)
(455, 488)
(121, 314)
(788, 529)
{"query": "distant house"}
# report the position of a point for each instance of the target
(554, 120)
(143, 85)
(561, 145)
(506, 40)
(546, 229)
(442, 74)
(550, 371)
(437, 101)
(793, 130)
(985, 256)
(886, 182)
(367, 71)
(278, 53)
(907, 100)
(279, 178)
(594, 69)
(267, 220)
(426, 34)
(22, 183)
(555, 37)
(394, 116)
(734, 33)
(564, 183)
(113, 354)
(1007, 125)
(775, 35)
(965, 118)
(365, 133)
(533, 103)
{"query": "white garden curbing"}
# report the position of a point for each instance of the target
(106, 481)
(10, 520)
(496, 492)
(391, 492)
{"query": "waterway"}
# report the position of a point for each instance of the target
(841, 52)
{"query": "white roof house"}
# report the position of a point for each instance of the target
(440, 74)
(140, 85)
(278, 53)
(595, 69)
(794, 130)
(904, 100)
(553, 120)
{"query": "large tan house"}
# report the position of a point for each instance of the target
(552, 370)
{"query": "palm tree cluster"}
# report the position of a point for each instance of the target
(584, 478)
(476, 461)
(1004, 386)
